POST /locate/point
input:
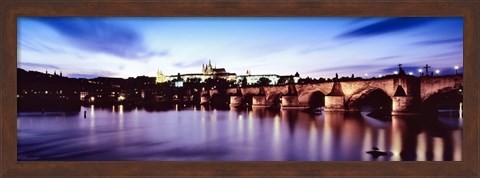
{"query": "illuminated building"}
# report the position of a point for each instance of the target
(208, 71)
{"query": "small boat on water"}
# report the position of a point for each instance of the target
(375, 153)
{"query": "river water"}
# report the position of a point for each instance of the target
(203, 134)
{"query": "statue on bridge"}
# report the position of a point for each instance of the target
(291, 90)
(400, 70)
(426, 69)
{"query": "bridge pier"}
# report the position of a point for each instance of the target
(335, 100)
(204, 99)
(334, 103)
(404, 105)
(236, 101)
(259, 101)
(291, 102)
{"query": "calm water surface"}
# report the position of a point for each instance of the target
(200, 134)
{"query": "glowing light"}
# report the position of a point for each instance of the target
(380, 75)
(410, 73)
(456, 67)
(437, 71)
(121, 98)
(92, 98)
(395, 72)
(420, 70)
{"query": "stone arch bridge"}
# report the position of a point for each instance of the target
(406, 92)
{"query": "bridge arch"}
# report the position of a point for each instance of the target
(219, 99)
(275, 98)
(314, 98)
(444, 98)
(443, 90)
(432, 85)
(247, 99)
(372, 96)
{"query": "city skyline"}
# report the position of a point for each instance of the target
(314, 47)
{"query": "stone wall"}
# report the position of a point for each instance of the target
(431, 85)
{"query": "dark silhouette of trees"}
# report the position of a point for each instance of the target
(282, 81)
(244, 82)
(263, 81)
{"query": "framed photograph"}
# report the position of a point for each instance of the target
(239, 88)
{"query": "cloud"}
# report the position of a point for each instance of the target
(97, 35)
(386, 26)
(26, 44)
(446, 54)
(92, 74)
(343, 68)
(196, 63)
(386, 57)
(341, 44)
(443, 41)
(36, 65)
(406, 68)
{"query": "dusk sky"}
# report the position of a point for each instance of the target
(313, 46)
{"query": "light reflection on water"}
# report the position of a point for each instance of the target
(202, 134)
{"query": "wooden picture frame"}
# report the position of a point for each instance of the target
(11, 10)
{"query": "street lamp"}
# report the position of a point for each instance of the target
(366, 75)
(437, 72)
(380, 75)
(421, 72)
(410, 73)
(456, 70)
(395, 72)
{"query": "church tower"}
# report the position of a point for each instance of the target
(207, 69)
(160, 77)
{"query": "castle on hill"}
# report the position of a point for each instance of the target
(211, 72)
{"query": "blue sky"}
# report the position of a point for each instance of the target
(313, 46)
